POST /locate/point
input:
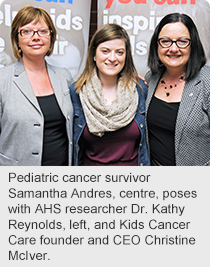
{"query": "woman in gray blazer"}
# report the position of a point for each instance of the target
(178, 101)
(35, 106)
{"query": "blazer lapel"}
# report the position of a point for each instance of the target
(22, 82)
(152, 87)
(189, 96)
(58, 86)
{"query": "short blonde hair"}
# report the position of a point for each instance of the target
(26, 15)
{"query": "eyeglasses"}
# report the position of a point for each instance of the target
(27, 33)
(180, 43)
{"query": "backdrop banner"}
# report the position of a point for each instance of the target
(71, 18)
(140, 17)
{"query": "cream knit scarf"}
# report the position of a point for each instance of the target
(103, 118)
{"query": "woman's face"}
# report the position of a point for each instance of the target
(34, 46)
(174, 57)
(110, 57)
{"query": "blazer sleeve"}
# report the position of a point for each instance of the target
(206, 81)
(148, 76)
(68, 76)
(63, 72)
(5, 74)
(1, 86)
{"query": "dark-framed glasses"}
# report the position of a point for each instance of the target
(27, 33)
(180, 43)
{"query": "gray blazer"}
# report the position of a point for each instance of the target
(192, 131)
(21, 119)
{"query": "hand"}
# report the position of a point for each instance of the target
(142, 78)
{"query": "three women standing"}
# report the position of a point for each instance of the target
(108, 99)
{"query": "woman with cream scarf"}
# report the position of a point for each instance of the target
(109, 104)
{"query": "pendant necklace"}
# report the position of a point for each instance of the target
(168, 88)
(105, 99)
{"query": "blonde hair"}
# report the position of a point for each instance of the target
(26, 15)
(106, 33)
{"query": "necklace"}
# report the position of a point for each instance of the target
(168, 88)
(106, 99)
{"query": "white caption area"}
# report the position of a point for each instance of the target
(154, 216)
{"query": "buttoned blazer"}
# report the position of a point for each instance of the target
(21, 119)
(192, 130)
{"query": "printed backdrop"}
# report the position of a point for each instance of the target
(139, 18)
(71, 18)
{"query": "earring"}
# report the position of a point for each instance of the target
(94, 58)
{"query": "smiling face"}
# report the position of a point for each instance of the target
(110, 58)
(34, 46)
(174, 57)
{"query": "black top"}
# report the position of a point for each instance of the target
(161, 121)
(55, 143)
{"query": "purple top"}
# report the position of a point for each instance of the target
(118, 148)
